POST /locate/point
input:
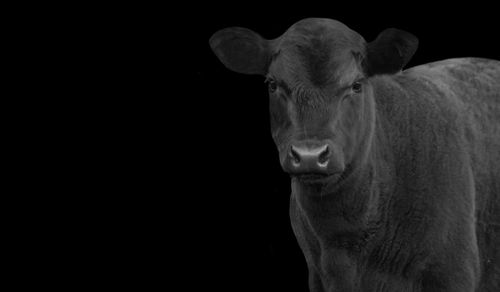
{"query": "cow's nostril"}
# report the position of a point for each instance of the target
(323, 156)
(295, 155)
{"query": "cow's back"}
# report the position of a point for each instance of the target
(470, 89)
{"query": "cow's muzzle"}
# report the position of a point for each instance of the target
(312, 160)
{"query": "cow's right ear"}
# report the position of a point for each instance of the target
(242, 50)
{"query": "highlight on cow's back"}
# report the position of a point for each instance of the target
(394, 171)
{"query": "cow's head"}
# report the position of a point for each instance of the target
(321, 100)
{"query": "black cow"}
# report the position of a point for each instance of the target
(395, 174)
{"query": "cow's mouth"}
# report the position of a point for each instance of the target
(314, 178)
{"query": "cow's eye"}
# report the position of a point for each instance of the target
(271, 84)
(356, 87)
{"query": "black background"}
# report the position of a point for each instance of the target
(178, 182)
(244, 230)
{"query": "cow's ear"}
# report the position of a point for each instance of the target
(390, 52)
(242, 50)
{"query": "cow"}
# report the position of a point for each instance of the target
(395, 174)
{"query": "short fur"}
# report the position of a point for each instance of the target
(417, 207)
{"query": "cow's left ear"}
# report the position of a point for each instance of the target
(242, 50)
(390, 52)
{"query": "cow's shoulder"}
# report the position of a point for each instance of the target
(447, 97)
(472, 82)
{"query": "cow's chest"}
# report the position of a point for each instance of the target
(342, 261)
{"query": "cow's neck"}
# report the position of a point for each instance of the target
(347, 214)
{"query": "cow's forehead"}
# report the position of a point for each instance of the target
(320, 26)
(318, 49)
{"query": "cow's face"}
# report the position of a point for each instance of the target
(321, 100)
